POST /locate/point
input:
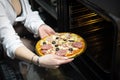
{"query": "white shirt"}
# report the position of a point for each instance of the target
(8, 37)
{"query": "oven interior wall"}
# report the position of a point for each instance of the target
(111, 6)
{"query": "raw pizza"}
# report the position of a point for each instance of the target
(62, 44)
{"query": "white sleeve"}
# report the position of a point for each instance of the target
(33, 19)
(33, 22)
(8, 37)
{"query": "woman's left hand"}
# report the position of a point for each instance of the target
(45, 30)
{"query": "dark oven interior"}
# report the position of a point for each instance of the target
(98, 29)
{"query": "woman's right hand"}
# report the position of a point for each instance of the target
(53, 61)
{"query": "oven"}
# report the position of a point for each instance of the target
(100, 30)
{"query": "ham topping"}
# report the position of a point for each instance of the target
(44, 51)
(77, 44)
(46, 46)
(61, 52)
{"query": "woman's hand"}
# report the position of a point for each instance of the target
(50, 60)
(53, 61)
(45, 30)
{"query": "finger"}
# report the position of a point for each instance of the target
(43, 34)
(62, 57)
(65, 61)
(50, 30)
